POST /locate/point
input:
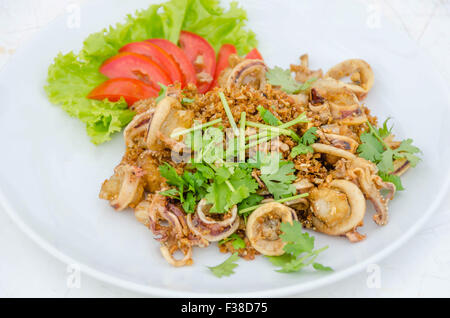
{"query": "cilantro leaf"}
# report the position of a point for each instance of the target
(299, 250)
(370, 147)
(186, 100)
(301, 149)
(279, 77)
(320, 267)
(279, 183)
(309, 137)
(220, 195)
(283, 78)
(268, 117)
(171, 175)
(385, 131)
(226, 268)
(298, 242)
(172, 193)
(252, 200)
(373, 148)
(386, 163)
(236, 241)
(189, 203)
(393, 179)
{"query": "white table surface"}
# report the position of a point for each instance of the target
(421, 268)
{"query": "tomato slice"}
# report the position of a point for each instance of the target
(254, 55)
(130, 89)
(222, 61)
(187, 69)
(202, 56)
(159, 56)
(137, 66)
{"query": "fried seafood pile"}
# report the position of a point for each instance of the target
(337, 180)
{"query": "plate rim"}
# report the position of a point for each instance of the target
(271, 292)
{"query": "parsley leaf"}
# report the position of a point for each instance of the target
(279, 77)
(226, 268)
(268, 117)
(299, 250)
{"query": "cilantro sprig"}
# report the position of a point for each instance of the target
(226, 268)
(374, 148)
(283, 78)
(236, 241)
(303, 147)
(299, 250)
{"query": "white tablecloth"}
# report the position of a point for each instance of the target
(420, 268)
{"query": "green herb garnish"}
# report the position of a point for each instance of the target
(226, 268)
(299, 250)
(283, 78)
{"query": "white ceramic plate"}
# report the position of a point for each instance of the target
(51, 173)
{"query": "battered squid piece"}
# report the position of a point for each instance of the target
(344, 105)
(360, 73)
(365, 174)
(302, 71)
(210, 229)
(136, 130)
(124, 188)
(263, 227)
(338, 209)
(168, 223)
(168, 117)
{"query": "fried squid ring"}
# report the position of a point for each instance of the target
(138, 127)
(360, 73)
(168, 250)
(365, 173)
(339, 209)
(210, 229)
(168, 116)
(248, 72)
(263, 227)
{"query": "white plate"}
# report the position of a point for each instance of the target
(51, 173)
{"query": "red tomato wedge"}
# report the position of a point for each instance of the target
(130, 89)
(159, 56)
(202, 56)
(187, 69)
(137, 66)
(254, 55)
(222, 61)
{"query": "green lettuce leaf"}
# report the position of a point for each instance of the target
(72, 76)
